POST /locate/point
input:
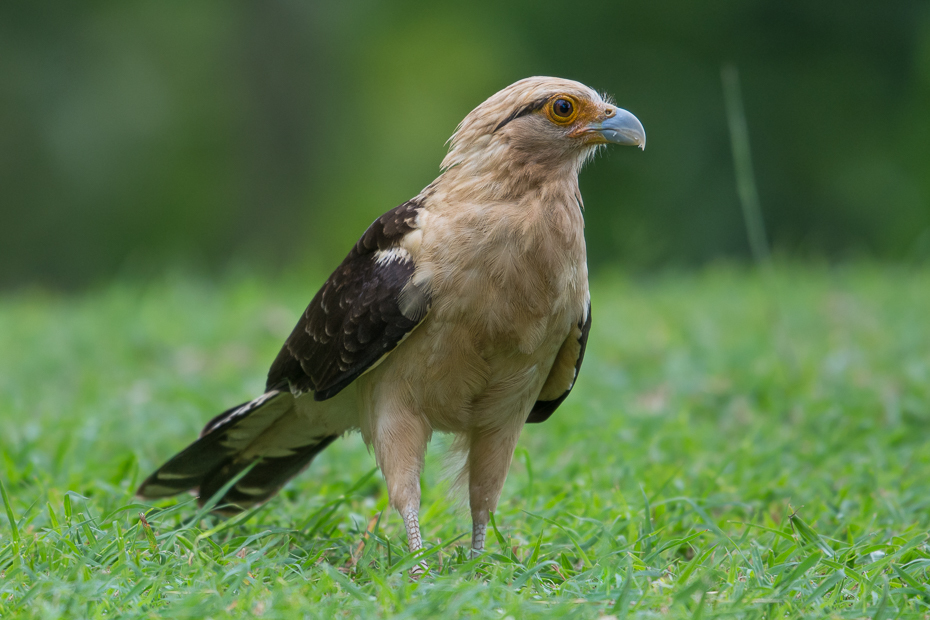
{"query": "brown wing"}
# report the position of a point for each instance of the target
(564, 371)
(365, 308)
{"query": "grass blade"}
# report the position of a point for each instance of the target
(742, 163)
(9, 513)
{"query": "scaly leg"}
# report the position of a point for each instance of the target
(412, 525)
(489, 456)
(479, 532)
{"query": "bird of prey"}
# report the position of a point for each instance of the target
(464, 310)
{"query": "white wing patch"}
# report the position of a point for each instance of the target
(383, 257)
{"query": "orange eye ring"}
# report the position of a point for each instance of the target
(562, 109)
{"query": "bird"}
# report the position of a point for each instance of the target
(465, 310)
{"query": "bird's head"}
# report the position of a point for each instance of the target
(540, 125)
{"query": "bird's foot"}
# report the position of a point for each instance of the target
(419, 570)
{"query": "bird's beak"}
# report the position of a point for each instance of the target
(620, 127)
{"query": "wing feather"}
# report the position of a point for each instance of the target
(361, 313)
(564, 371)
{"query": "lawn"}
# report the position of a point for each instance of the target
(740, 444)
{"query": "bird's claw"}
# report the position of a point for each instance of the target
(419, 570)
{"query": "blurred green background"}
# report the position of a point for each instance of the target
(140, 137)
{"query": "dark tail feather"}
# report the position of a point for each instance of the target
(218, 456)
(264, 480)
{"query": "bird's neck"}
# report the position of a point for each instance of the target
(525, 206)
(506, 175)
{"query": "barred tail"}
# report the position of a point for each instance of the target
(265, 431)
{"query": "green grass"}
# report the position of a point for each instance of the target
(739, 445)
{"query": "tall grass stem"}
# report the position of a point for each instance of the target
(742, 164)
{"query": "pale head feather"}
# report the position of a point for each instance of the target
(476, 136)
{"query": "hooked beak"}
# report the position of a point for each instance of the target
(620, 127)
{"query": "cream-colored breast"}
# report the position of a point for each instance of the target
(506, 269)
(507, 284)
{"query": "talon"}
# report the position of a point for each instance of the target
(419, 570)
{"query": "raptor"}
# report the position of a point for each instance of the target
(464, 310)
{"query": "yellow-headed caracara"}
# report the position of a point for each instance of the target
(464, 310)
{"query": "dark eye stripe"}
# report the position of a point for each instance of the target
(527, 109)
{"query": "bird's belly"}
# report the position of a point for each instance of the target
(459, 381)
(471, 368)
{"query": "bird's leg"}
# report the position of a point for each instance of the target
(400, 445)
(412, 526)
(489, 456)
(479, 533)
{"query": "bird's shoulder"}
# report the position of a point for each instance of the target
(389, 230)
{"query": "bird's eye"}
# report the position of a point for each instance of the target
(562, 110)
